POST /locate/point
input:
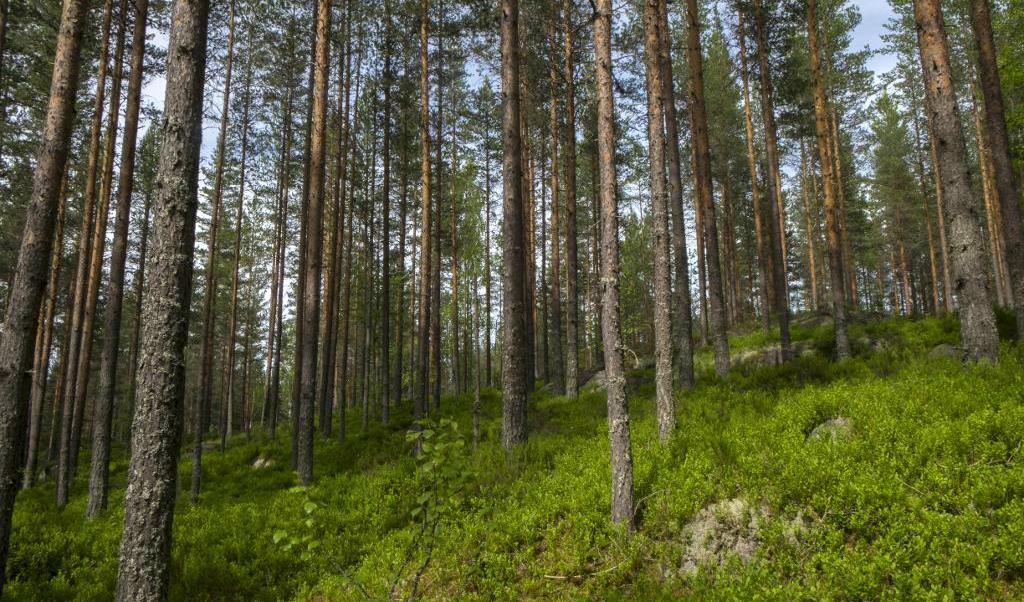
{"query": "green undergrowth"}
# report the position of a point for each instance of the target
(924, 499)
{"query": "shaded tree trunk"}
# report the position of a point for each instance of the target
(699, 120)
(203, 405)
(776, 232)
(74, 339)
(423, 345)
(572, 301)
(1002, 166)
(100, 465)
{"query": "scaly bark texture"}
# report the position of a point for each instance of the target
(966, 246)
(423, 348)
(665, 398)
(702, 153)
(22, 317)
(999, 149)
(515, 347)
(143, 568)
(611, 332)
(828, 180)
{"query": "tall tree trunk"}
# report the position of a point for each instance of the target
(556, 372)
(403, 210)
(385, 405)
(776, 232)
(977, 319)
(683, 319)
(699, 120)
(272, 386)
(615, 380)
(328, 367)
(1002, 167)
(922, 182)
(829, 184)
(44, 341)
(143, 568)
(314, 244)
(100, 465)
(572, 301)
(763, 256)
(849, 269)
(420, 392)
(140, 278)
(84, 370)
(67, 398)
(457, 364)
(228, 411)
(808, 219)
(22, 317)
(665, 397)
(204, 401)
(514, 372)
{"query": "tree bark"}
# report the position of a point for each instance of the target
(44, 341)
(1002, 166)
(203, 406)
(385, 404)
(775, 230)
(699, 120)
(665, 397)
(572, 301)
(556, 372)
(314, 244)
(67, 398)
(977, 319)
(514, 373)
(829, 183)
(683, 301)
(422, 367)
(143, 568)
(763, 257)
(100, 464)
(615, 380)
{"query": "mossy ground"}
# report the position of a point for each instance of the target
(924, 500)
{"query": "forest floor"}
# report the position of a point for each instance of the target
(913, 488)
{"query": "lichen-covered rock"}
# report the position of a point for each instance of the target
(833, 429)
(730, 528)
(945, 351)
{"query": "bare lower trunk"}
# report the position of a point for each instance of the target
(143, 569)
(977, 319)
(515, 366)
(698, 116)
(1002, 167)
(665, 398)
(829, 184)
(615, 380)
(572, 302)
(100, 464)
(314, 244)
